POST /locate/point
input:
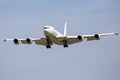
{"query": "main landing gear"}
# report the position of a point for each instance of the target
(48, 42)
(65, 46)
(48, 46)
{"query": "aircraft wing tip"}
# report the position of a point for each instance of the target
(4, 39)
(116, 33)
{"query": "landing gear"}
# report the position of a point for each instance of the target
(48, 46)
(48, 42)
(65, 46)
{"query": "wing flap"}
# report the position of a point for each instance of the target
(73, 39)
(69, 39)
(41, 41)
(23, 41)
(89, 37)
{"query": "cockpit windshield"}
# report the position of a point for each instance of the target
(46, 27)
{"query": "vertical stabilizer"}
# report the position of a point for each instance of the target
(65, 29)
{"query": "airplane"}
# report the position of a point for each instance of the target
(52, 36)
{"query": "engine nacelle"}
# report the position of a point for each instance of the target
(28, 41)
(16, 41)
(97, 37)
(80, 37)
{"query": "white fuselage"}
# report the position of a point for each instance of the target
(52, 34)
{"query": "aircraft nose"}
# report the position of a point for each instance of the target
(44, 27)
(45, 30)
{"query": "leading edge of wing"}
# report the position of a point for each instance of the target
(79, 38)
(38, 41)
(98, 36)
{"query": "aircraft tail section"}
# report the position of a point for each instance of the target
(65, 29)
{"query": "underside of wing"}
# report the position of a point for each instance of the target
(38, 41)
(69, 40)
(41, 41)
(74, 39)
(79, 38)
(98, 36)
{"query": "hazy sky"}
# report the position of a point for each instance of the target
(94, 60)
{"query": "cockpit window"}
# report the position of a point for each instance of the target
(46, 27)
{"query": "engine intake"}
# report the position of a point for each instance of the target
(16, 41)
(28, 40)
(80, 37)
(97, 37)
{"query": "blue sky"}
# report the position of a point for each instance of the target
(94, 60)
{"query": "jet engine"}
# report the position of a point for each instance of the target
(28, 41)
(80, 37)
(16, 41)
(97, 37)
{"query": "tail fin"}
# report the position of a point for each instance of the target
(65, 29)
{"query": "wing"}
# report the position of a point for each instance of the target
(41, 41)
(79, 38)
(74, 39)
(69, 40)
(38, 41)
(98, 36)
